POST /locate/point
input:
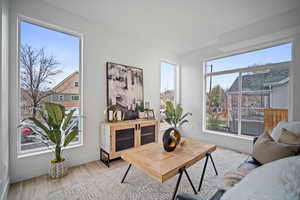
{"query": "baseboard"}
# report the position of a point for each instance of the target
(5, 191)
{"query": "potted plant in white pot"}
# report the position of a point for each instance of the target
(175, 118)
(55, 128)
(141, 111)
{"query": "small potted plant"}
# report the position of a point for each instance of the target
(55, 128)
(141, 111)
(175, 118)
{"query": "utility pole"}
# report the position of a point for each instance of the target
(210, 78)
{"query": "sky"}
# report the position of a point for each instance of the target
(64, 47)
(167, 81)
(276, 54)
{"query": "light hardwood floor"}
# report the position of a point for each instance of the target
(37, 188)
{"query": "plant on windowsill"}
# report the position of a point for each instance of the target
(55, 128)
(175, 118)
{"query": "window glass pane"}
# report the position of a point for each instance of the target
(222, 103)
(49, 66)
(167, 85)
(256, 100)
(263, 90)
(277, 54)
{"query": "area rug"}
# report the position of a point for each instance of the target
(139, 186)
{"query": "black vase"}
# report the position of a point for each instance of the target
(171, 138)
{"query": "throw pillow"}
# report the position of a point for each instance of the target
(266, 150)
(293, 126)
(276, 132)
(289, 137)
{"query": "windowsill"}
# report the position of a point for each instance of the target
(37, 153)
(244, 137)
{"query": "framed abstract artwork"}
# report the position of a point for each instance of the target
(125, 87)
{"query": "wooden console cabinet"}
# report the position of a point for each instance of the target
(118, 136)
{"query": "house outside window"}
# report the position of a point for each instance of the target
(242, 90)
(168, 87)
(41, 42)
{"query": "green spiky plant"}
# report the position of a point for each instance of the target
(55, 128)
(174, 115)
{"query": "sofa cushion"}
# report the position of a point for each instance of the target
(266, 150)
(289, 137)
(278, 180)
(293, 126)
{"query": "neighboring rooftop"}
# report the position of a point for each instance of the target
(261, 81)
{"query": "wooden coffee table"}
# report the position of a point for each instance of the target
(153, 160)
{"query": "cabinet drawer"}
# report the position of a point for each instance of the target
(147, 130)
(147, 134)
(124, 144)
(124, 134)
(124, 139)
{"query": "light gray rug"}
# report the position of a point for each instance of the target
(139, 186)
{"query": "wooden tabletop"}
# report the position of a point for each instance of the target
(153, 160)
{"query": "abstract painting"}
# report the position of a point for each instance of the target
(124, 86)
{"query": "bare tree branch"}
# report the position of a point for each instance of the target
(37, 69)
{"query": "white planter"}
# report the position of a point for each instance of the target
(58, 170)
(142, 115)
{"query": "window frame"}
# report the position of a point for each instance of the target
(240, 92)
(176, 86)
(80, 36)
(76, 84)
(176, 81)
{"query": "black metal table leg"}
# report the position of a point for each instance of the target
(213, 163)
(190, 180)
(126, 173)
(177, 184)
(203, 172)
(179, 179)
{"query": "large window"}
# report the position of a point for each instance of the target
(49, 71)
(167, 85)
(240, 89)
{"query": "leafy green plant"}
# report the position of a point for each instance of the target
(54, 127)
(174, 115)
(140, 108)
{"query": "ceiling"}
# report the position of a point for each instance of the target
(177, 25)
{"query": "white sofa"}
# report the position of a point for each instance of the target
(278, 180)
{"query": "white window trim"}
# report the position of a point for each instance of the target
(177, 99)
(177, 78)
(39, 151)
(240, 71)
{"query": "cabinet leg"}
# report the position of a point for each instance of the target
(104, 157)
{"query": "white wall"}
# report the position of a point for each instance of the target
(99, 46)
(4, 137)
